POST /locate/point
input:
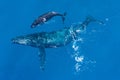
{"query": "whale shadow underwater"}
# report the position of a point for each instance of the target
(54, 39)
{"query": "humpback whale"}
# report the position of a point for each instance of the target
(45, 17)
(52, 39)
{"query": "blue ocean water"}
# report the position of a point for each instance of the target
(98, 55)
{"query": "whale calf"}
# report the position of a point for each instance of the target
(45, 17)
(52, 39)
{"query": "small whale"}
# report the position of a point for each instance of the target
(45, 17)
(53, 39)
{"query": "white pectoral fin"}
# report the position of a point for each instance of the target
(42, 56)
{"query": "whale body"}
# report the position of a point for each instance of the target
(52, 39)
(45, 17)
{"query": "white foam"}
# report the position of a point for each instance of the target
(79, 59)
(77, 67)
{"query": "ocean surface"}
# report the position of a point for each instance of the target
(94, 56)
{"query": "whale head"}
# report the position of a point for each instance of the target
(25, 40)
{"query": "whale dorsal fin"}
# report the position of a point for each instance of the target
(42, 56)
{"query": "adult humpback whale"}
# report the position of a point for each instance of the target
(45, 17)
(53, 39)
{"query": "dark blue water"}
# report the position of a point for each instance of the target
(100, 47)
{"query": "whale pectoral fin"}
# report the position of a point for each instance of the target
(42, 56)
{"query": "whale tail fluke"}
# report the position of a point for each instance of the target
(90, 19)
(63, 17)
